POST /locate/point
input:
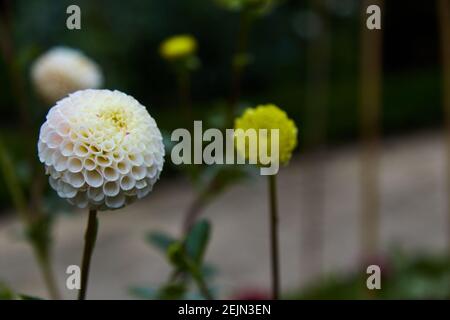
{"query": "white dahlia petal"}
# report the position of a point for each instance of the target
(61, 71)
(101, 149)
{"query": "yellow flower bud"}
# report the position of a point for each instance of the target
(177, 47)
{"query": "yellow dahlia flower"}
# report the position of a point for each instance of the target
(270, 117)
(177, 47)
(101, 149)
(61, 71)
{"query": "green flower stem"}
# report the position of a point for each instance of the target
(443, 9)
(47, 274)
(371, 103)
(198, 278)
(18, 198)
(89, 238)
(237, 66)
(184, 91)
(9, 54)
(12, 183)
(27, 217)
(194, 209)
(274, 236)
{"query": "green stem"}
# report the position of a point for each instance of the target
(13, 185)
(371, 104)
(89, 238)
(195, 209)
(198, 278)
(443, 9)
(237, 66)
(18, 198)
(184, 89)
(274, 237)
(47, 274)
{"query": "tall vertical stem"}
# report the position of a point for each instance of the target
(237, 65)
(315, 134)
(274, 254)
(184, 89)
(27, 220)
(370, 103)
(47, 274)
(443, 11)
(31, 212)
(89, 238)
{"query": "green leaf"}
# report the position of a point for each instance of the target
(197, 241)
(160, 240)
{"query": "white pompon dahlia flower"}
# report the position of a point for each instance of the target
(63, 70)
(101, 149)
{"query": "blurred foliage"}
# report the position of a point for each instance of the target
(186, 258)
(403, 277)
(7, 293)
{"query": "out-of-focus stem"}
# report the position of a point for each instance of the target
(194, 210)
(200, 281)
(18, 90)
(13, 185)
(443, 12)
(370, 107)
(199, 202)
(28, 215)
(27, 219)
(89, 244)
(47, 273)
(184, 91)
(237, 65)
(274, 255)
(317, 88)
(17, 83)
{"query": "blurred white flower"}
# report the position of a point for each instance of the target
(101, 149)
(61, 71)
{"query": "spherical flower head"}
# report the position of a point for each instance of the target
(177, 47)
(270, 117)
(61, 71)
(101, 149)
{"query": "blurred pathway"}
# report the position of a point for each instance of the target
(413, 216)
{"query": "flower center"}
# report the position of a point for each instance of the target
(115, 117)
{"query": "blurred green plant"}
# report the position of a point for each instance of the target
(180, 52)
(403, 277)
(37, 226)
(212, 181)
(186, 256)
(7, 293)
(29, 205)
